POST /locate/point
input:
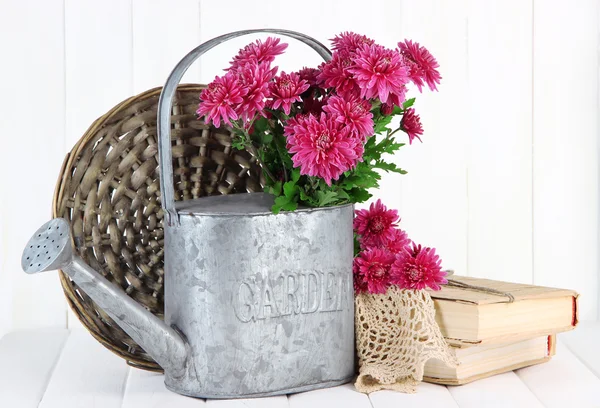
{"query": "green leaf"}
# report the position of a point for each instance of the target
(307, 199)
(408, 103)
(238, 143)
(381, 125)
(371, 143)
(303, 196)
(261, 137)
(397, 110)
(290, 206)
(284, 203)
(389, 145)
(275, 189)
(389, 167)
(362, 176)
(265, 138)
(279, 203)
(343, 195)
(290, 189)
(374, 151)
(326, 197)
(359, 195)
(295, 175)
(261, 124)
(356, 245)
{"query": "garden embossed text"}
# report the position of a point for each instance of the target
(286, 294)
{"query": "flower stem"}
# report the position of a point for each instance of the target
(254, 151)
(285, 173)
(392, 134)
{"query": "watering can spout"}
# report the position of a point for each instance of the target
(50, 248)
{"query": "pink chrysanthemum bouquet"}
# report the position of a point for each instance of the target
(314, 131)
(385, 256)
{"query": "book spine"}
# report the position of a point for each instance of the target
(551, 345)
(575, 311)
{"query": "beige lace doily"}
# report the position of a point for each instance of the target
(396, 333)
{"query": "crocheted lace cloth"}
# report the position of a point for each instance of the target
(396, 333)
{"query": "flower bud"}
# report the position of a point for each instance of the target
(387, 109)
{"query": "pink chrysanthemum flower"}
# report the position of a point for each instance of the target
(336, 74)
(418, 268)
(322, 147)
(396, 244)
(258, 52)
(352, 112)
(297, 123)
(360, 285)
(349, 41)
(376, 225)
(309, 75)
(220, 100)
(422, 65)
(285, 90)
(374, 267)
(411, 124)
(380, 72)
(255, 77)
(399, 242)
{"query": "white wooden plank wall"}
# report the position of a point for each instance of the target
(499, 148)
(433, 195)
(505, 184)
(32, 129)
(565, 148)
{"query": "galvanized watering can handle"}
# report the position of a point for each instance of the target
(165, 102)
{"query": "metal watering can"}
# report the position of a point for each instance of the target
(256, 304)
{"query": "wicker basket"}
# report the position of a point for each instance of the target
(109, 191)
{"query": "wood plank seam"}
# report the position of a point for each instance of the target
(598, 105)
(125, 385)
(131, 56)
(584, 362)
(64, 138)
(452, 395)
(370, 402)
(530, 390)
(532, 142)
(54, 365)
(466, 175)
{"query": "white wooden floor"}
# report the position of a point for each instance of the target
(65, 369)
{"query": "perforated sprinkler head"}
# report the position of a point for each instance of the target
(49, 248)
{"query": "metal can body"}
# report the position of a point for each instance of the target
(265, 301)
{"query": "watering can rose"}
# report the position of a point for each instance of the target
(321, 134)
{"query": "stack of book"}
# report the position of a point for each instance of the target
(490, 336)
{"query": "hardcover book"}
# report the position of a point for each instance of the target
(486, 360)
(470, 317)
